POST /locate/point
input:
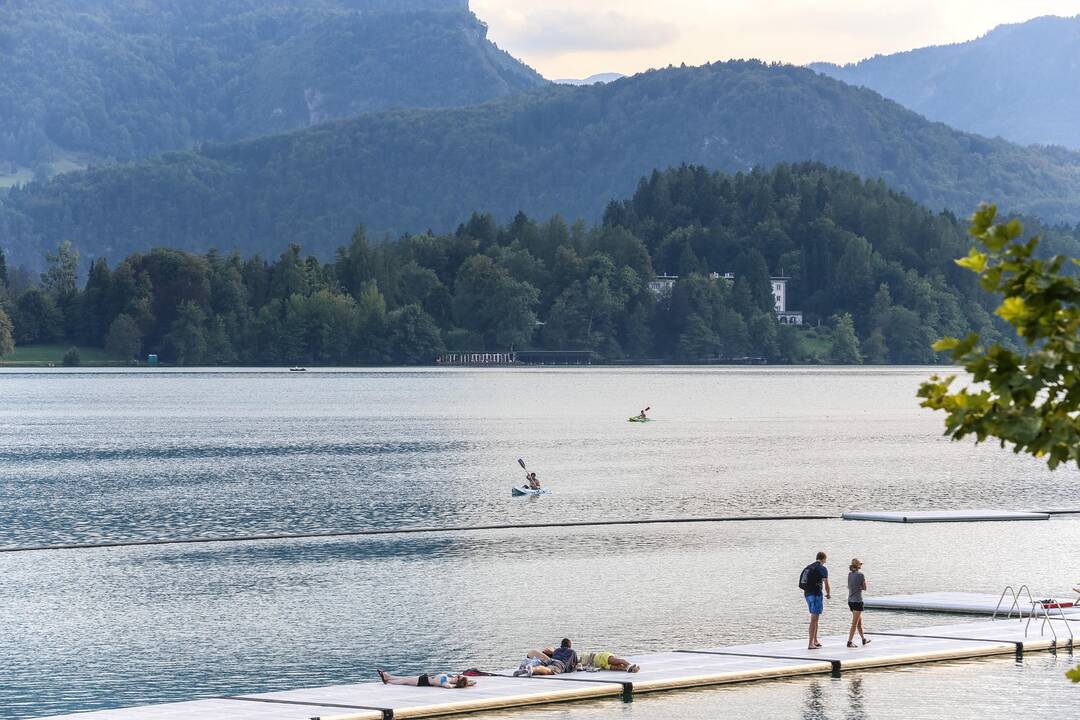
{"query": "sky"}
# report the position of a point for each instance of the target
(577, 38)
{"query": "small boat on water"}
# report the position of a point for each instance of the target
(639, 419)
(297, 369)
(522, 491)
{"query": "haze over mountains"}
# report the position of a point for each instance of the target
(1020, 82)
(592, 79)
(103, 80)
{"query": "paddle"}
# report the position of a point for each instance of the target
(522, 464)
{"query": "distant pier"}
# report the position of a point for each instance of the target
(518, 357)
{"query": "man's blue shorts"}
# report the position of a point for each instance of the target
(816, 603)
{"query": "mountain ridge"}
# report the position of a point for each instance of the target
(117, 81)
(560, 149)
(987, 85)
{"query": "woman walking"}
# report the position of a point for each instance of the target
(856, 583)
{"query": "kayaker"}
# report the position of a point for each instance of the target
(642, 416)
(533, 482)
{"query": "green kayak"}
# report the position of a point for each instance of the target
(640, 419)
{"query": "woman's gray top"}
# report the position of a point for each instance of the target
(855, 580)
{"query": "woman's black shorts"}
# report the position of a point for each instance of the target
(855, 606)
(423, 681)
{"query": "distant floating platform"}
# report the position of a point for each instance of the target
(936, 516)
(969, 604)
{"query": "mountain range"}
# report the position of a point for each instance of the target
(559, 149)
(1020, 82)
(592, 79)
(95, 81)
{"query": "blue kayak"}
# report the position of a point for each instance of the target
(520, 491)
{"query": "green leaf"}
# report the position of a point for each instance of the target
(975, 261)
(1014, 310)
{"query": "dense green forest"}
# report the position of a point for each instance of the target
(122, 79)
(872, 270)
(1018, 81)
(557, 150)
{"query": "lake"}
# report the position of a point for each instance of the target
(99, 456)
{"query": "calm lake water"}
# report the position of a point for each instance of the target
(102, 456)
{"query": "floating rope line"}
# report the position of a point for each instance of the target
(407, 531)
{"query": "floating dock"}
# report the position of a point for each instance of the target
(973, 604)
(937, 516)
(663, 671)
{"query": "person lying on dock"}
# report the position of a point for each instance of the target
(443, 680)
(603, 660)
(537, 662)
(595, 661)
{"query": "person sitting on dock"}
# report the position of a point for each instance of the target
(533, 483)
(548, 661)
(602, 660)
(811, 580)
(443, 680)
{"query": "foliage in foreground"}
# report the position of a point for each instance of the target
(1028, 399)
(1031, 399)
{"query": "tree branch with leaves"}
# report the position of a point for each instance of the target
(1028, 399)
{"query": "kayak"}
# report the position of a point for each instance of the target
(639, 419)
(519, 491)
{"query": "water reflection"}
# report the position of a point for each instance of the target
(856, 708)
(815, 707)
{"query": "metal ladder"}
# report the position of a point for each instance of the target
(1036, 607)
(1015, 605)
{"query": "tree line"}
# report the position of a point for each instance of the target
(872, 271)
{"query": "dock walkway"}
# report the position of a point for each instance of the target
(662, 671)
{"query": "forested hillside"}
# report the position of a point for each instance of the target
(558, 150)
(871, 267)
(98, 80)
(1020, 82)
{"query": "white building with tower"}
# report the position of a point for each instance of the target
(779, 293)
(662, 286)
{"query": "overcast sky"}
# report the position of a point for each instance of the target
(576, 38)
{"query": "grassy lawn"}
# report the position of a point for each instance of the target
(815, 343)
(45, 354)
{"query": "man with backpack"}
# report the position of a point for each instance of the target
(811, 580)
